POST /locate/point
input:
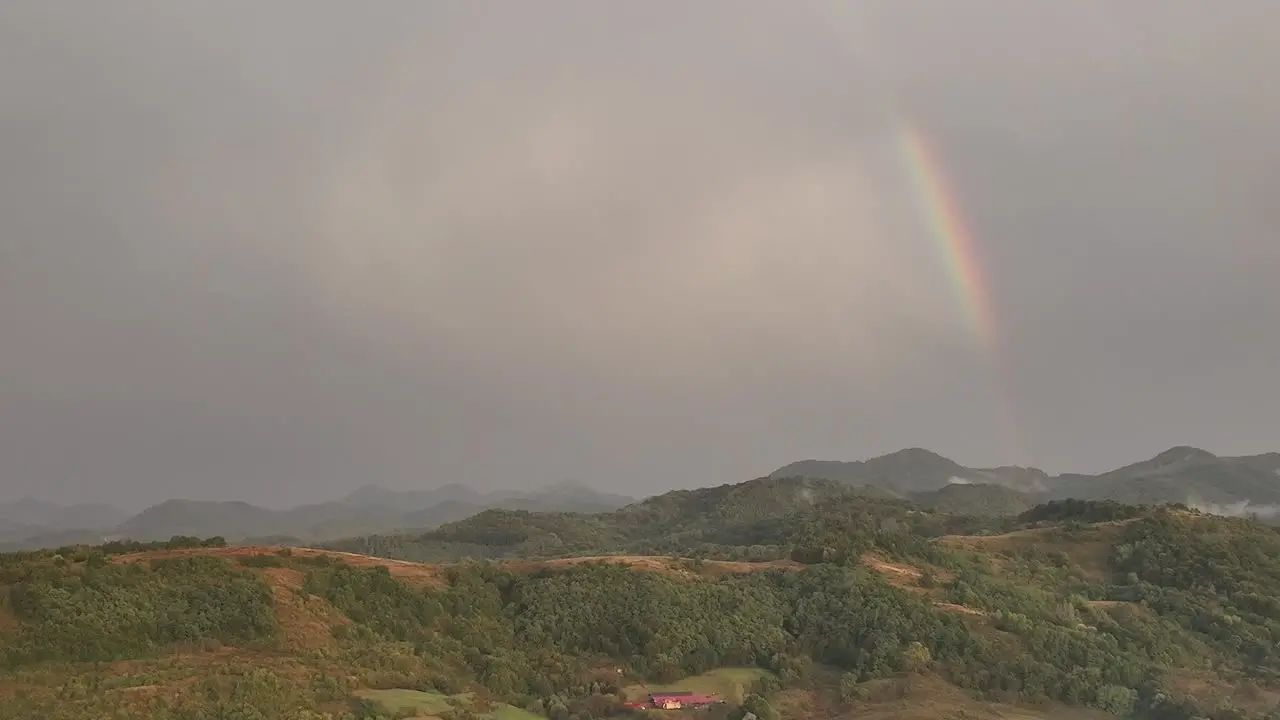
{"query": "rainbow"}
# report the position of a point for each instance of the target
(939, 207)
(941, 211)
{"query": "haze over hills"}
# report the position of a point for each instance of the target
(35, 513)
(787, 597)
(753, 519)
(825, 599)
(27, 518)
(914, 470)
(369, 509)
(1221, 485)
(1191, 475)
(1224, 485)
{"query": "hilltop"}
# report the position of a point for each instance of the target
(1189, 475)
(914, 470)
(1225, 485)
(1222, 485)
(748, 521)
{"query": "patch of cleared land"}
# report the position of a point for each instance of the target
(306, 620)
(7, 620)
(429, 574)
(511, 712)
(728, 683)
(1088, 549)
(1204, 686)
(897, 574)
(424, 704)
(926, 697)
(958, 609)
(656, 564)
(427, 705)
(907, 577)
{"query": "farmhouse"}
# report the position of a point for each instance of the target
(681, 700)
(675, 700)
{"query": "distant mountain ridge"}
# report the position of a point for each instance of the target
(369, 509)
(755, 512)
(27, 517)
(1247, 485)
(1183, 474)
(913, 488)
(914, 470)
(1188, 475)
(35, 513)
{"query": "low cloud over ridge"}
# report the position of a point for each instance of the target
(276, 252)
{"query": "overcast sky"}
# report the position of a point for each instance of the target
(274, 251)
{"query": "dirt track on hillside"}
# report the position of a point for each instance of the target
(656, 564)
(907, 577)
(433, 574)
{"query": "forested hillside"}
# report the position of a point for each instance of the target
(1239, 486)
(855, 604)
(754, 520)
(1228, 485)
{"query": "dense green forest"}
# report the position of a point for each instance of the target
(1176, 590)
(752, 521)
(764, 519)
(1089, 604)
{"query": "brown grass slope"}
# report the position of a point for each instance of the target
(433, 574)
(1087, 548)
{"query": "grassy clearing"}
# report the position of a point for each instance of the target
(425, 704)
(1087, 548)
(930, 698)
(1209, 688)
(728, 683)
(431, 704)
(511, 712)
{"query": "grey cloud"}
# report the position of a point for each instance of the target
(274, 252)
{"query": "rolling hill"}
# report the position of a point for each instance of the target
(1187, 475)
(975, 499)
(369, 509)
(1239, 486)
(872, 607)
(26, 517)
(914, 470)
(61, 517)
(1227, 485)
(755, 516)
(199, 519)
(12, 531)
